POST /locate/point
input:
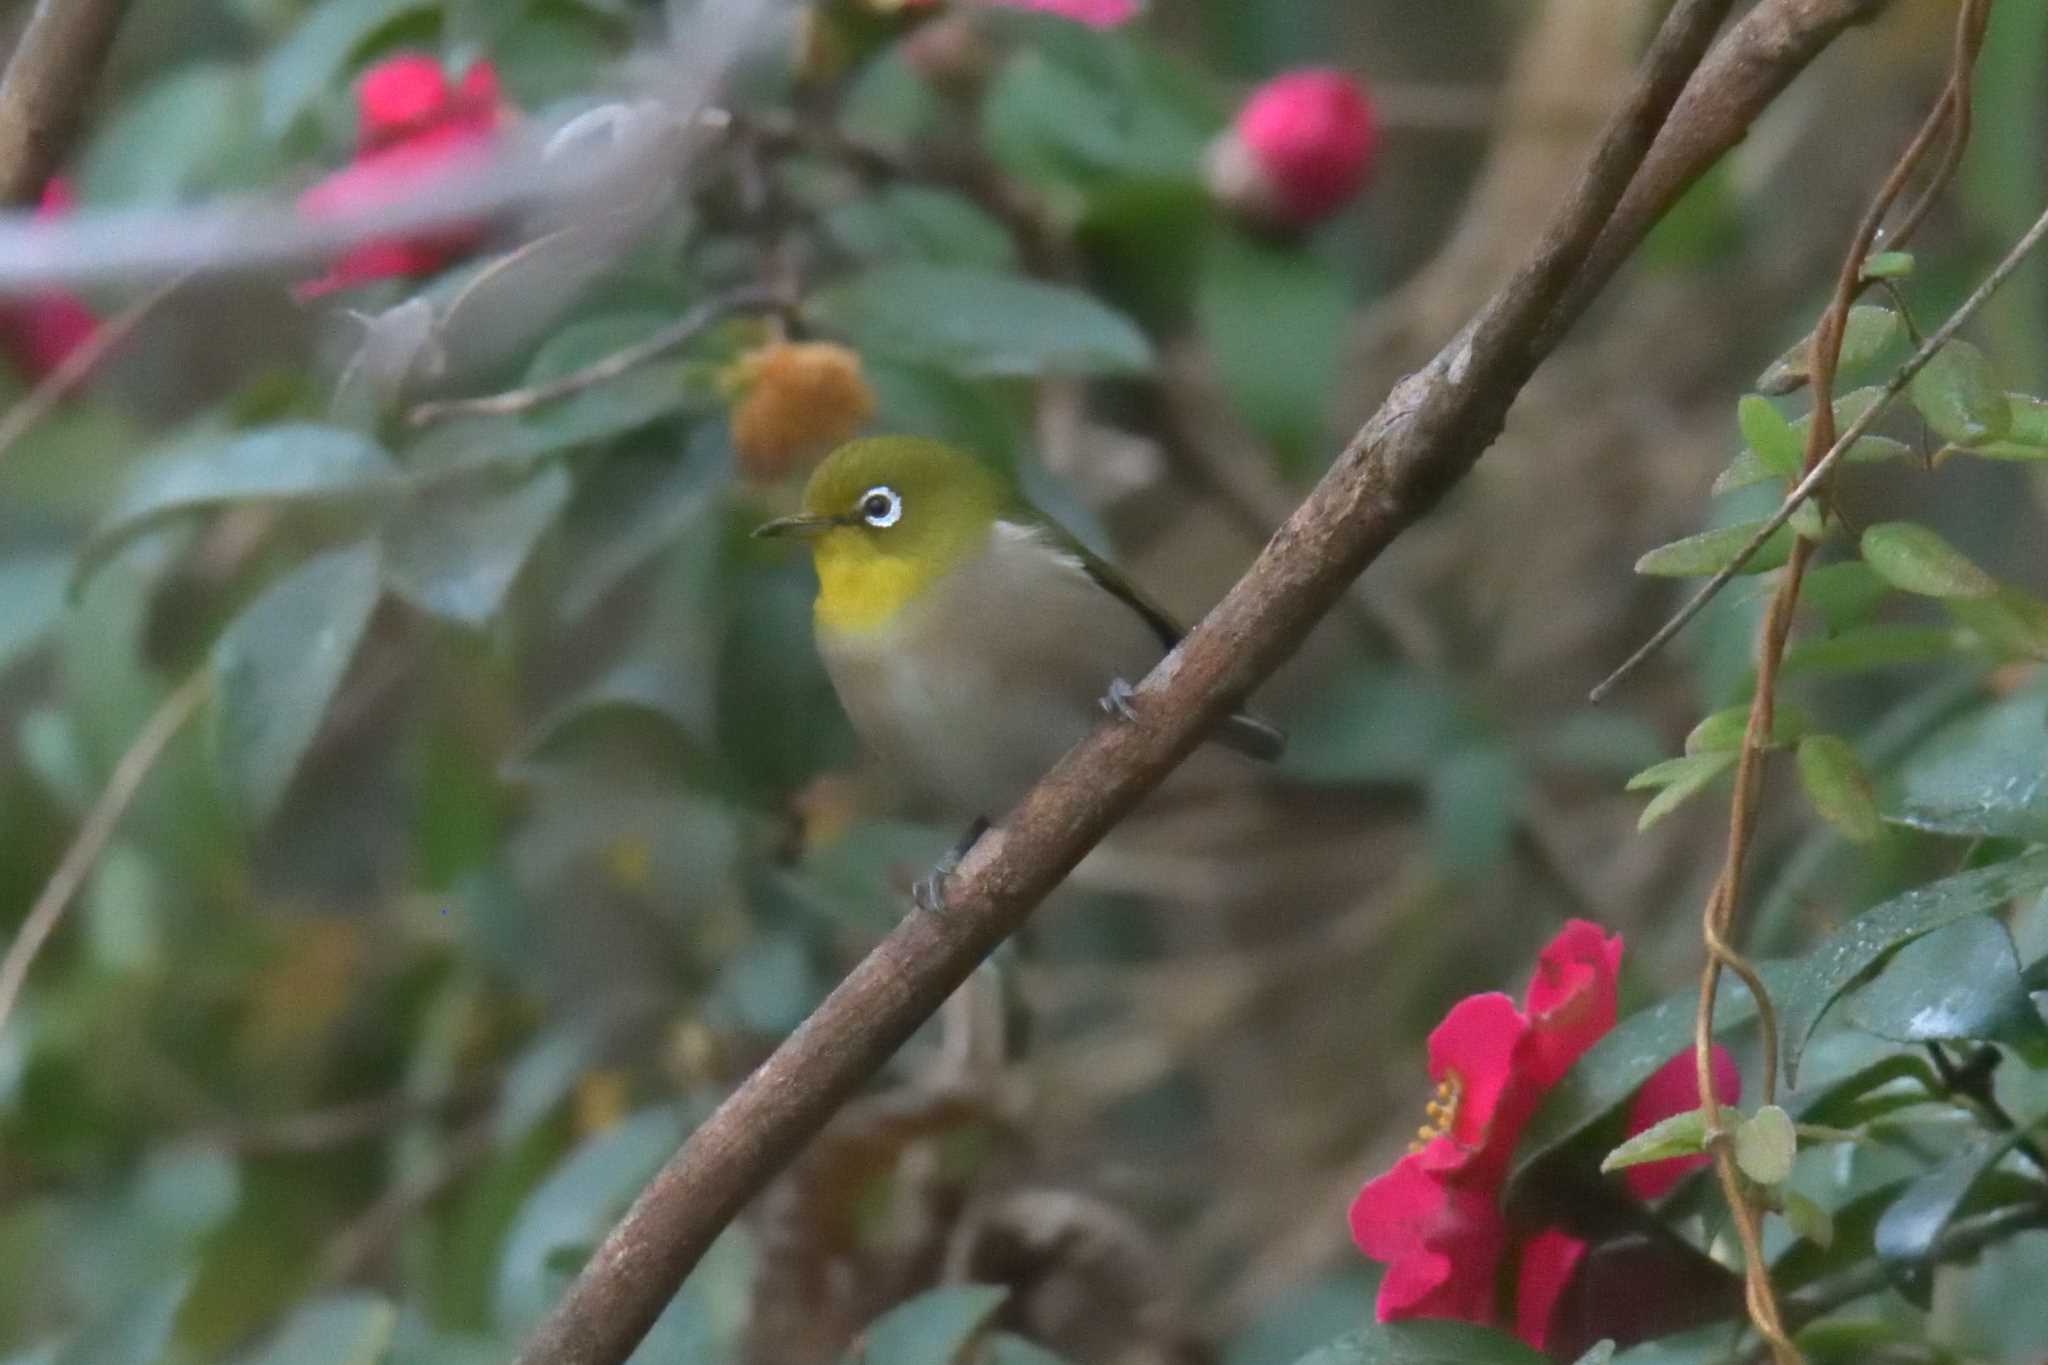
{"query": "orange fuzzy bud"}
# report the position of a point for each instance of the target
(795, 401)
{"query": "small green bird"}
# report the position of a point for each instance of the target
(971, 640)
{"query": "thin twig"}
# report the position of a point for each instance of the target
(673, 337)
(68, 373)
(1425, 437)
(156, 733)
(1816, 476)
(43, 96)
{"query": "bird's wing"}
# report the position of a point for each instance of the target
(1240, 730)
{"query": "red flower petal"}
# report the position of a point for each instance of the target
(39, 331)
(1672, 1089)
(1441, 1243)
(1548, 1262)
(1571, 999)
(1312, 134)
(1476, 1047)
(399, 95)
(1093, 13)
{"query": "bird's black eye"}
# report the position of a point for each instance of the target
(881, 506)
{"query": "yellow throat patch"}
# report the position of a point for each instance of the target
(862, 586)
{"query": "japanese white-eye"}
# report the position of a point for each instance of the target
(971, 640)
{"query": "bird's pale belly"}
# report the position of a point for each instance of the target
(968, 700)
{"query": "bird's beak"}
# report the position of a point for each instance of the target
(804, 525)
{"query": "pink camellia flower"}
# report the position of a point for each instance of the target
(1297, 151)
(1435, 1218)
(40, 331)
(413, 125)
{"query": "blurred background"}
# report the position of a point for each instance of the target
(515, 821)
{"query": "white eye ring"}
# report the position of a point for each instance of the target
(881, 506)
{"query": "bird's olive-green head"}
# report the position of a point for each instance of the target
(887, 517)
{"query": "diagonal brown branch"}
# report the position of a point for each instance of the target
(48, 80)
(1427, 434)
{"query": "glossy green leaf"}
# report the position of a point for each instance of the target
(455, 553)
(32, 589)
(1960, 982)
(1887, 265)
(136, 1333)
(1868, 332)
(1847, 955)
(1983, 775)
(1768, 435)
(1274, 319)
(1722, 731)
(1908, 1235)
(980, 322)
(192, 131)
(914, 222)
(1961, 397)
(1807, 1219)
(1765, 1144)
(2029, 422)
(1613, 1069)
(1845, 594)
(931, 1329)
(573, 1208)
(1839, 787)
(1425, 1343)
(278, 667)
(1868, 647)
(307, 64)
(2012, 623)
(1683, 1134)
(1711, 551)
(1914, 558)
(338, 1329)
(1746, 470)
(269, 464)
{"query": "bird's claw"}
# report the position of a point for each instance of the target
(1117, 701)
(928, 893)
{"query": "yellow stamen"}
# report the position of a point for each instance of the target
(1441, 1111)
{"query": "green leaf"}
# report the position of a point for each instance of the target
(1838, 786)
(1867, 647)
(1887, 265)
(1424, 1342)
(1960, 396)
(1807, 1219)
(136, 1333)
(337, 1329)
(191, 132)
(1005, 1349)
(1765, 1144)
(1913, 558)
(2012, 623)
(1845, 594)
(919, 223)
(278, 667)
(269, 464)
(1847, 955)
(1274, 319)
(1868, 332)
(1722, 731)
(931, 1329)
(1746, 470)
(1683, 1134)
(573, 1208)
(1984, 775)
(32, 587)
(1711, 551)
(1769, 436)
(1960, 982)
(980, 323)
(1475, 803)
(309, 63)
(456, 551)
(1679, 778)
(2029, 422)
(1610, 1072)
(1908, 1233)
